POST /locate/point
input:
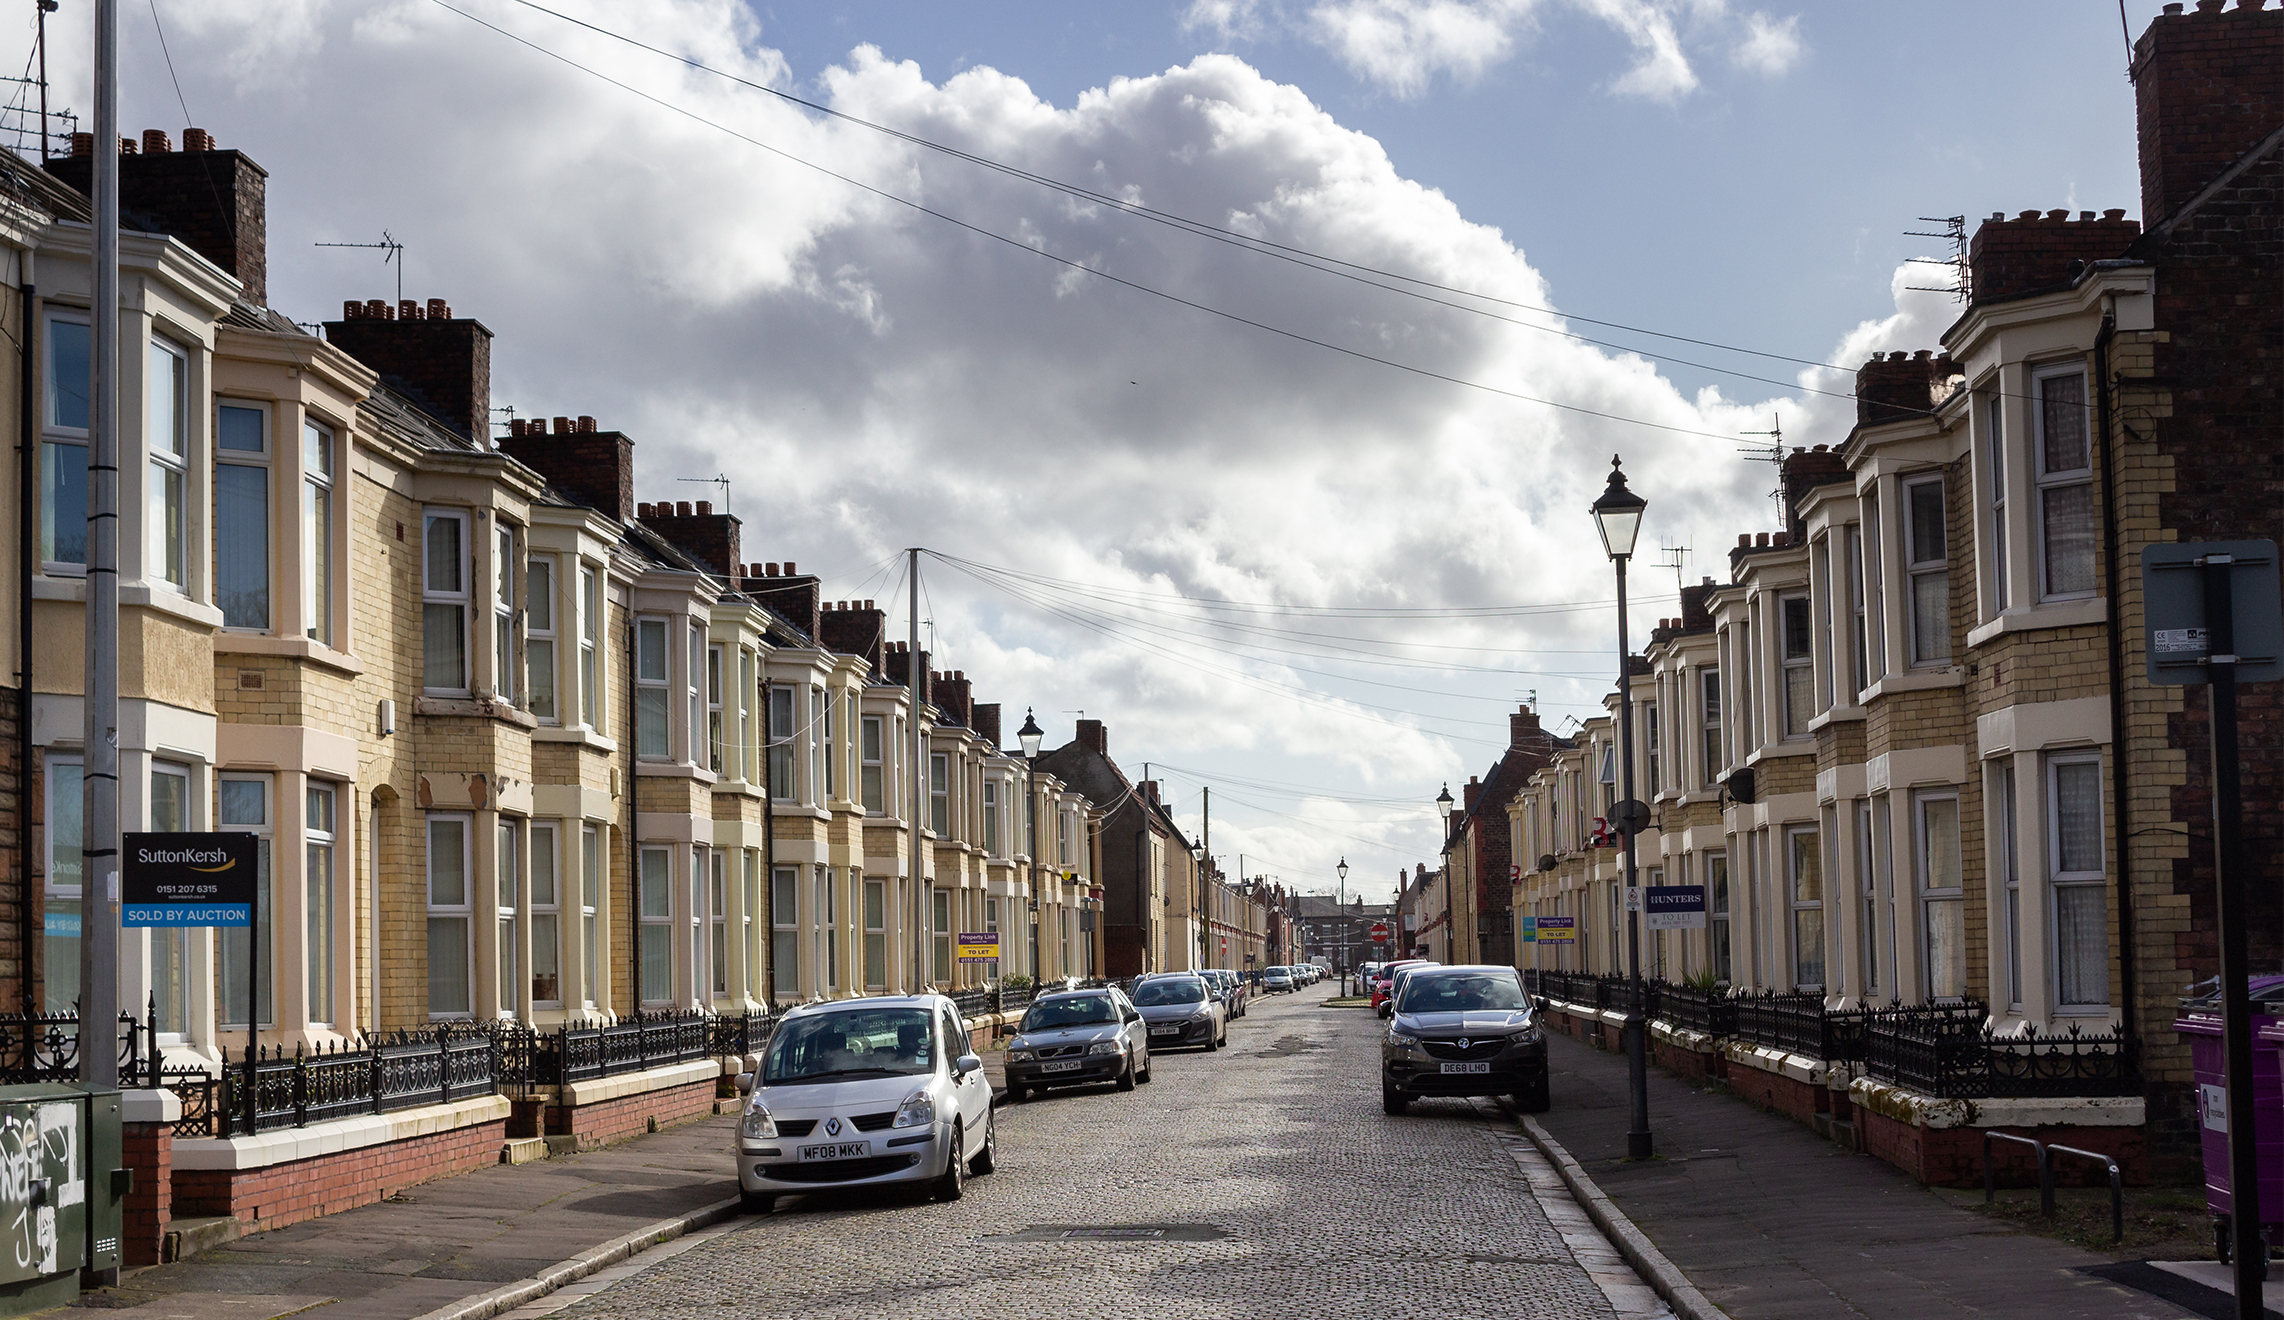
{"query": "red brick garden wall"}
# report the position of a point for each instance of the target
(149, 1149)
(632, 1115)
(304, 1189)
(1953, 1157)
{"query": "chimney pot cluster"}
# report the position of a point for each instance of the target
(1761, 541)
(378, 309)
(197, 139)
(156, 142)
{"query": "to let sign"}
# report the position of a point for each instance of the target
(1674, 907)
(1558, 930)
(977, 947)
(187, 880)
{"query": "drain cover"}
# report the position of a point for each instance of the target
(1113, 1233)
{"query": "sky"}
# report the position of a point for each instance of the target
(1255, 409)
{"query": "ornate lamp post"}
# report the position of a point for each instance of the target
(1443, 805)
(1618, 516)
(1342, 871)
(1030, 736)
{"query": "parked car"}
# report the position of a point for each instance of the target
(1463, 1031)
(1181, 1010)
(1234, 991)
(1078, 1038)
(1276, 980)
(1381, 980)
(865, 1092)
(1396, 981)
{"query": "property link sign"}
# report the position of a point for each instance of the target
(187, 880)
(1557, 930)
(976, 947)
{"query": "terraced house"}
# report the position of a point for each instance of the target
(1910, 747)
(542, 779)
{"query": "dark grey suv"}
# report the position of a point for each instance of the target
(1463, 1031)
(1078, 1038)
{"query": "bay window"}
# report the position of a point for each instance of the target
(590, 903)
(317, 531)
(1994, 445)
(504, 903)
(694, 694)
(444, 601)
(655, 880)
(718, 916)
(539, 638)
(750, 926)
(1807, 880)
(1874, 586)
(166, 429)
(63, 446)
(1859, 638)
(651, 697)
(991, 818)
(245, 808)
(503, 613)
(829, 744)
(2065, 488)
(2005, 840)
(717, 737)
(1709, 721)
(1926, 556)
(784, 932)
(1798, 661)
(940, 794)
(1867, 882)
(590, 629)
(779, 731)
(875, 788)
(876, 934)
(451, 911)
(2079, 882)
(242, 516)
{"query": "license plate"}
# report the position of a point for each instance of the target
(1165, 1031)
(1482, 1067)
(837, 1150)
(1069, 1066)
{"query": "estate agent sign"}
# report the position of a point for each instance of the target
(187, 880)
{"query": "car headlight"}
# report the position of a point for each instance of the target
(1020, 1056)
(1107, 1047)
(1527, 1036)
(918, 1110)
(1202, 1011)
(1402, 1039)
(758, 1124)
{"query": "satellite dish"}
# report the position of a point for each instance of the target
(1546, 861)
(1739, 786)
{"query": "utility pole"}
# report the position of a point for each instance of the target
(919, 769)
(99, 839)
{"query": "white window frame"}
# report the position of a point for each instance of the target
(749, 746)
(542, 684)
(504, 613)
(1995, 481)
(1714, 733)
(1867, 884)
(462, 913)
(546, 862)
(319, 508)
(592, 859)
(872, 771)
(171, 948)
(1806, 843)
(2060, 881)
(784, 932)
(654, 696)
(234, 960)
(694, 694)
(829, 743)
(940, 794)
(2005, 854)
(654, 931)
(507, 931)
(993, 837)
(875, 892)
(1932, 895)
(590, 660)
(256, 460)
(749, 978)
(1924, 568)
(1652, 745)
(2063, 480)
(828, 928)
(168, 502)
(1873, 584)
(438, 603)
(55, 438)
(1798, 668)
(778, 731)
(320, 835)
(1859, 638)
(717, 756)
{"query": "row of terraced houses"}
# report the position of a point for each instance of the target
(516, 747)
(1908, 745)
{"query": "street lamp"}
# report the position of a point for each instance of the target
(1342, 912)
(1030, 735)
(1443, 808)
(1618, 515)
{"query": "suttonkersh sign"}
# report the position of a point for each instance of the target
(187, 880)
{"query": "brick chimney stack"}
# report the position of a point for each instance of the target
(593, 467)
(955, 698)
(1806, 469)
(1895, 387)
(1523, 729)
(900, 669)
(792, 595)
(710, 538)
(214, 201)
(858, 628)
(984, 719)
(441, 362)
(1094, 737)
(2039, 252)
(2207, 87)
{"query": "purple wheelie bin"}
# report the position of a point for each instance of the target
(2200, 1022)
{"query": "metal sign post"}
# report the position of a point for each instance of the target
(2214, 616)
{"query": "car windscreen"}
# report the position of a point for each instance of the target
(1184, 990)
(1461, 992)
(1077, 1011)
(871, 1042)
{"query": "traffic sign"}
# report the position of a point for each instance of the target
(1379, 932)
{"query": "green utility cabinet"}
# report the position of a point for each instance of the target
(62, 1192)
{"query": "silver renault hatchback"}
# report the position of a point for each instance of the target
(866, 1092)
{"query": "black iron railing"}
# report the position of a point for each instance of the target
(1944, 1050)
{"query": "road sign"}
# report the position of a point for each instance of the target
(1558, 930)
(1633, 898)
(976, 947)
(187, 880)
(1379, 932)
(2174, 594)
(1674, 907)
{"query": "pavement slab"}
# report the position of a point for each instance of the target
(1773, 1222)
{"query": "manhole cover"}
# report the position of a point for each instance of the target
(1113, 1233)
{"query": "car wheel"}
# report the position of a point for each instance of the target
(987, 1159)
(1016, 1095)
(756, 1203)
(1392, 1100)
(1211, 1045)
(1536, 1097)
(1144, 1076)
(1126, 1078)
(954, 1184)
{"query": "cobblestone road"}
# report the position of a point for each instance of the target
(1330, 1209)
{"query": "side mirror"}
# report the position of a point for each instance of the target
(1542, 1004)
(965, 1064)
(745, 1083)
